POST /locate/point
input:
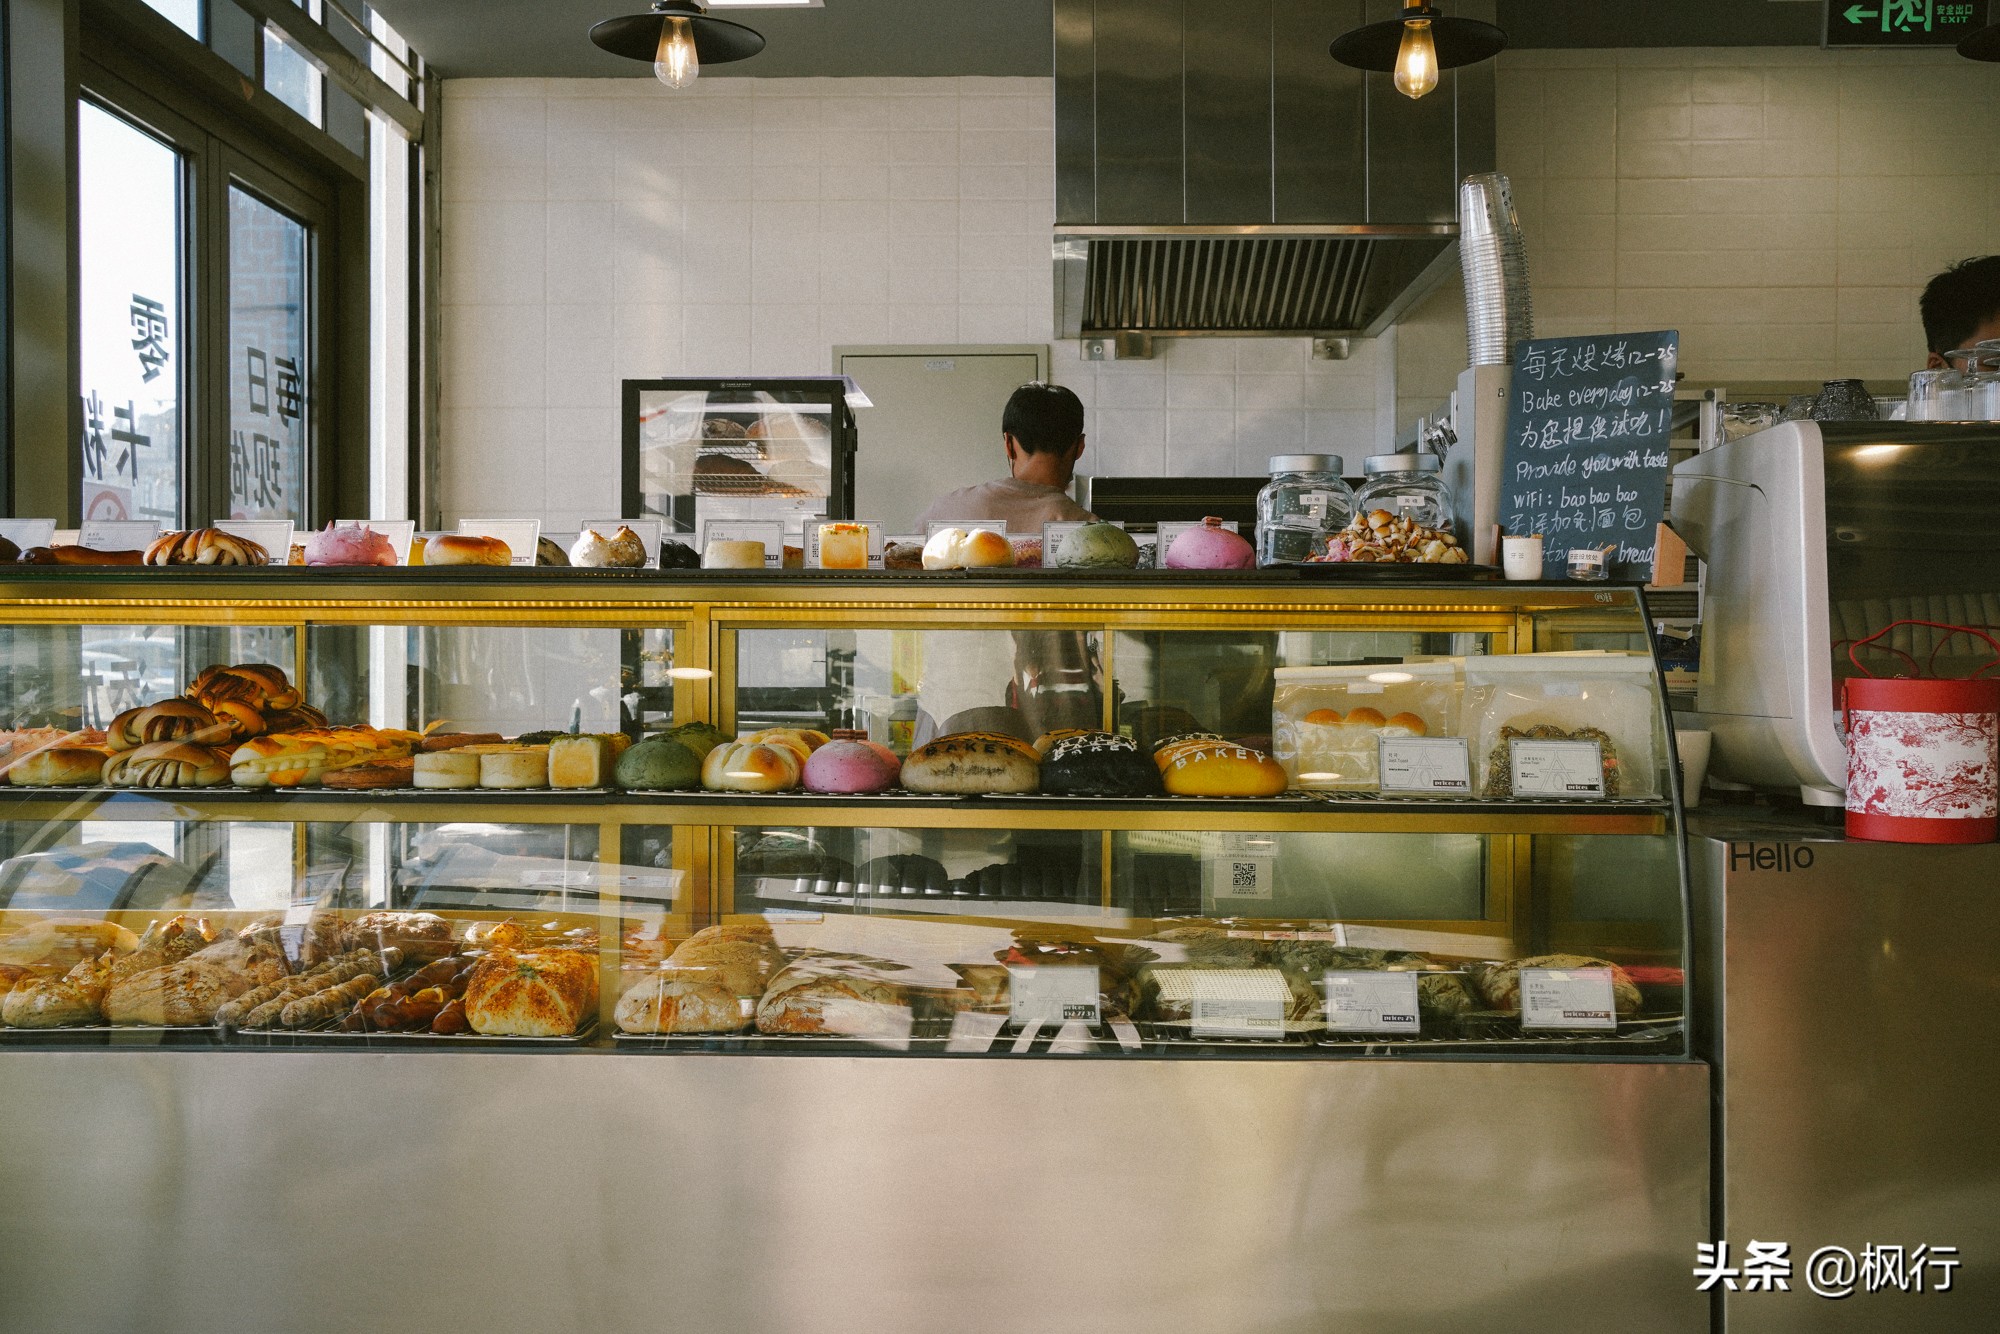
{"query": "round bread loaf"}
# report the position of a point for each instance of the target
(512, 767)
(58, 766)
(849, 766)
(1099, 764)
(1221, 769)
(466, 549)
(682, 1001)
(659, 764)
(967, 549)
(751, 766)
(973, 762)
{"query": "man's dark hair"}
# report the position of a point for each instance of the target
(1958, 301)
(1045, 418)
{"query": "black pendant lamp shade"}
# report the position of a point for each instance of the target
(1982, 45)
(1459, 42)
(716, 41)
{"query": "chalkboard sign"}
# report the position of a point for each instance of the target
(1586, 461)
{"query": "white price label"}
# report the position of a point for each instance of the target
(1238, 877)
(1371, 1002)
(274, 535)
(1567, 998)
(119, 535)
(648, 531)
(400, 532)
(522, 536)
(25, 533)
(973, 1031)
(1054, 993)
(1437, 766)
(1239, 1003)
(1557, 768)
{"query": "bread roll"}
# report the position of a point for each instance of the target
(168, 764)
(466, 549)
(802, 740)
(751, 766)
(971, 762)
(682, 1001)
(62, 945)
(171, 720)
(71, 555)
(422, 937)
(544, 994)
(205, 546)
(510, 767)
(742, 966)
(1099, 764)
(259, 684)
(849, 1003)
(967, 549)
(1221, 769)
(59, 766)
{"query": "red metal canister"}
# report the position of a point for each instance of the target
(1923, 757)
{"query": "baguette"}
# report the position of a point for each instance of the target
(323, 1005)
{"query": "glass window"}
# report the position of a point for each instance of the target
(130, 212)
(270, 372)
(185, 14)
(289, 76)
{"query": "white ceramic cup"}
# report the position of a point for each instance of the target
(1521, 557)
(1693, 748)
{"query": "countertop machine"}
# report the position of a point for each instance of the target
(1818, 534)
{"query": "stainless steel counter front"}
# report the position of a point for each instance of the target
(1851, 997)
(225, 1191)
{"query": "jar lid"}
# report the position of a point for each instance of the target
(1305, 463)
(1375, 463)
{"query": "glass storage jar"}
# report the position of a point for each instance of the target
(1304, 504)
(1409, 486)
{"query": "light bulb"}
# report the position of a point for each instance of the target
(1416, 60)
(675, 63)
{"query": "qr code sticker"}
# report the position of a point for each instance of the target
(1243, 875)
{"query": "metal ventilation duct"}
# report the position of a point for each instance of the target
(1218, 173)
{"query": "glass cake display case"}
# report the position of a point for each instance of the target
(1260, 815)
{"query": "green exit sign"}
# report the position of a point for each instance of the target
(1902, 22)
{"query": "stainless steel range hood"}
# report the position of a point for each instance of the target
(1218, 173)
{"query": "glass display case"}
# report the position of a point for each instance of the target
(739, 451)
(461, 809)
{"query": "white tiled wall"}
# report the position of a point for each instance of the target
(1780, 207)
(596, 230)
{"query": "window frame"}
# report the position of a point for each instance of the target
(220, 148)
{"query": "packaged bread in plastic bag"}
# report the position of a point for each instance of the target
(1608, 698)
(1326, 721)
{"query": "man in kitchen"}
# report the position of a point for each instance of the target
(1042, 431)
(1053, 678)
(1961, 307)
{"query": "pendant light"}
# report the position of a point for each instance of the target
(677, 39)
(1416, 45)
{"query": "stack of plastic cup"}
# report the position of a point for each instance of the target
(1498, 311)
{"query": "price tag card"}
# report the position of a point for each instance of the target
(274, 535)
(1431, 766)
(649, 531)
(400, 532)
(117, 535)
(520, 535)
(1364, 1002)
(1054, 533)
(770, 532)
(1567, 998)
(1239, 1003)
(1557, 768)
(1054, 993)
(25, 533)
(1238, 877)
(973, 1031)
(1173, 528)
(868, 543)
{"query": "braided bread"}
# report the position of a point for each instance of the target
(205, 546)
(170, 720)
(168, 764)
(260, 685)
